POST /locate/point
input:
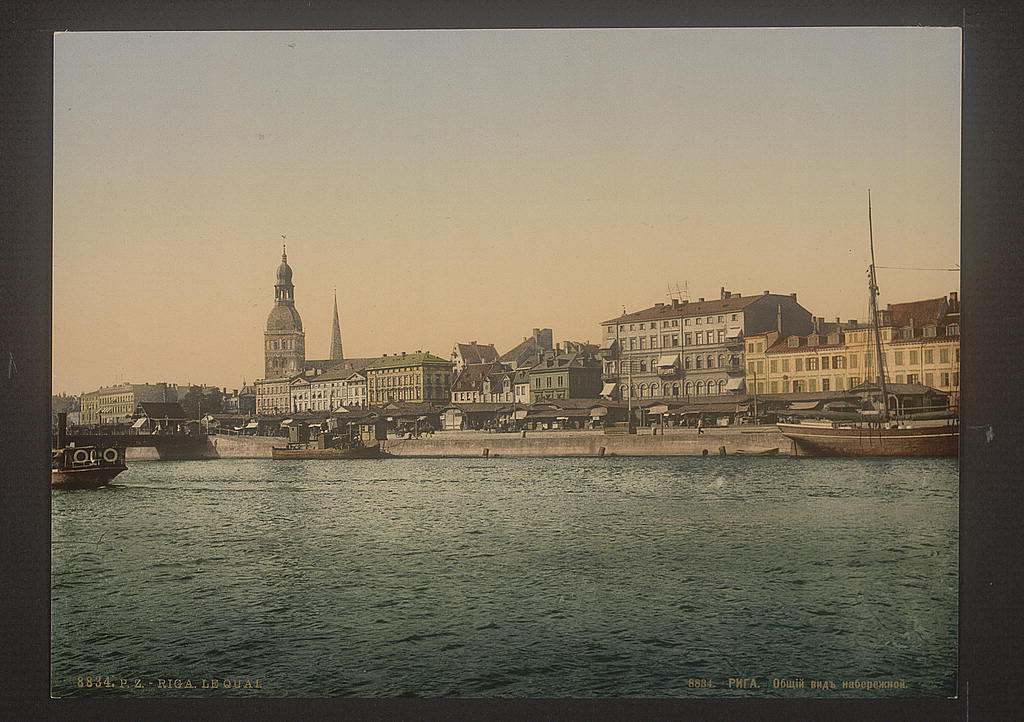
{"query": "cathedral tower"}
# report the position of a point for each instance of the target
(284, 343)
(336, 352)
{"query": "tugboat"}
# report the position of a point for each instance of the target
(82, 467)
(328, 445)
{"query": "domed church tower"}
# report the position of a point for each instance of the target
(284, 343)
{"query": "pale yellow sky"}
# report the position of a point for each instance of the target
(472, 185)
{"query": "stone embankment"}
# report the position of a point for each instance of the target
(676, 442)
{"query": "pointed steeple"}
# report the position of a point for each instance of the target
(336, 353)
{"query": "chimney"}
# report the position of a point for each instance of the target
(952, 297)
(837, 320)
(418, 351)
(472, 343)
(721, 293)
(852, 322)
(675, 303)
(403, 354)
(658, 305)
(793, 296)
(766, 293)
(701, 300)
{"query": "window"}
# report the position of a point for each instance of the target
(632, 344)
(913, 357)
(643, 343)
(721, 335)
(760, 367)
(839, 383)
(824, 362)
(868, 360)
(798, 364)
(665, 340)
(913, 379)
(774, 386)
(898, 355)
(711, 362)
(929, 356)
(773, 365)
(899, 378)
(794, 341)
(854, 380)
(561, 380)
(654, 341)
(709, 319)
(664, 324)
(929, 380)
(675, 339)
(632, 327)
(688, 338)
(750, 348)
(641, 327)
(812, 384)
(833, 339)
(956, 378)
(686, 322)
(688, 363)
(953, 330)
(945, 378)
(812, 340)
(908, 332)
(838, 362)
(622, 328)
(929, 331)
(798, 386)
(812, 363)
(853, 361)
(825, 384)
(785, 364)
(675, 322)
(700, 338)
(733, 317)
(698, 321)
(700, 362)
(643, 366)
(549, 382)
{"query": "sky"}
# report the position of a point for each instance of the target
(473, 185)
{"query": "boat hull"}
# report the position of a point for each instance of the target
(844, 441)
(91, 478)
(364, 452)
(766, 452)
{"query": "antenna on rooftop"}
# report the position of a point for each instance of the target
(678, 294)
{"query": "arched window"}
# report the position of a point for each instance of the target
(688, 362)
(665, 390)
(700, 387)
(632, 390)
(275, 345)
(675, 389)
(700, 362)
(721, 360)
(643, 365)
(641, 390)
(688, 389)
(721, 385)
(711, 362)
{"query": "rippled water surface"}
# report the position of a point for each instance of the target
(509, 577)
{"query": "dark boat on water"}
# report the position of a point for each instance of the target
(82, 467)
(763, 452)
(876, 433)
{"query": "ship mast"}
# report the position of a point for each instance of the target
(873, 289)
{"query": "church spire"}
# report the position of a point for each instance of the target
(336, 353)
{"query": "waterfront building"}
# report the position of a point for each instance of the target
(158, 417)
(521, 383)
(412, 377)
(920, 346)
(240, 401)
(465, 354)
(284, 348)
(343, 384)
(115, 404)
(560, 375)
(274, 396)
(529, 351)
(689, 349)
(499, 386)
(471, 382)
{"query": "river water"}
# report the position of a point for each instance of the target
(622, 577)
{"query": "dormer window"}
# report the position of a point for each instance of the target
(953, 329)
(908, 332)
(833, 339)
(794, 341)
(812, 340)
(929, 332)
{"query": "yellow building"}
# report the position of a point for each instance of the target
(115, 404)
(408, 377)
(920, 345)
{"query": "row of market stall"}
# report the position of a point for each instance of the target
(417, 419)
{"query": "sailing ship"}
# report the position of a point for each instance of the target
(876, 433)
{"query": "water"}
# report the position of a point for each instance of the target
(509, 578)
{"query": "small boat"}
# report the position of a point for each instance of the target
(85, 467)
(764, 452)
(297, 451)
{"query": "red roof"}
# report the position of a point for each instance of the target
(472, 376)
(918, 313)
(477, 353)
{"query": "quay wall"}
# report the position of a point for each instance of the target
(536, 444)
(556, 444)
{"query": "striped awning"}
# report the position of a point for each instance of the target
(608, 389)
(667, 361)
(734, 384)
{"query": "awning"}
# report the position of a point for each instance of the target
(561, 418)
(598, 411)
(734, 384)
(733, 333)
(667, 361)
(608, 389)
(658, 409)
(422, 418)
(521, 413)
(804, 405)
(286, 422)
(252, 425)
(139, 423)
